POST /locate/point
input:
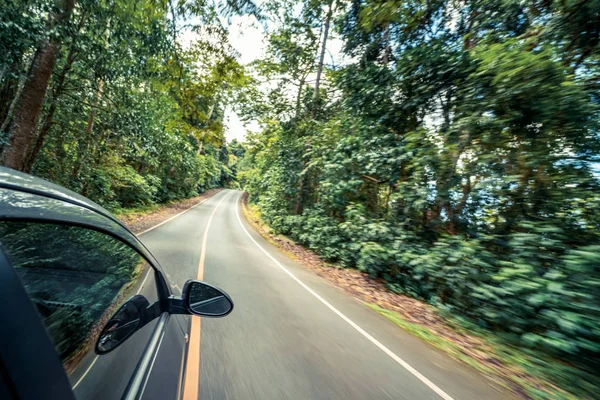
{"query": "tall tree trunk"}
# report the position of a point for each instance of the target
(299, 96)
(49, 118)
(11, 108)
(24, 125)
(299, 207)
(90, 123)
(323, 48)
(56, 93)
(7, 94)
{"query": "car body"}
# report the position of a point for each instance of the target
(86, 311)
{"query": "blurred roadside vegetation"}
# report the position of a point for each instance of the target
(454, 153)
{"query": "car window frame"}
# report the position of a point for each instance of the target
(89, 218)
(162, 287)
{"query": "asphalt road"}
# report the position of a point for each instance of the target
(292, 335)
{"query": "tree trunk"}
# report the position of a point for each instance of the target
(90, 123)
(323, 48)
(468, 41)
(12, 82)
(56, 93)
(13, 103)
(299, 97)
(49, 119)
(299, 207)
(24, 125)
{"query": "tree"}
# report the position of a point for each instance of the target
(28, 108)
(128, 116)
(323, 48)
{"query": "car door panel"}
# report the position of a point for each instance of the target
(77, 278)
(109, 376)
(167, 372)
(150, 364)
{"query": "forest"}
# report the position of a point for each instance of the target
(454, 155)
(101, 97)
(450, 147)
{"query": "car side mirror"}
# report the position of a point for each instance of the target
(198, 298)
(205, 300)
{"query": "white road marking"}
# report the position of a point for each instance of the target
(143, 282)
(387, 351)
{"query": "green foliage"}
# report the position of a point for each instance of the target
(130, 117)
(454, 156)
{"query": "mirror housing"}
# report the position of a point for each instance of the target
(205, 300)
(129, 318)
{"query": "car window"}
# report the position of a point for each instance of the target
(77, 278)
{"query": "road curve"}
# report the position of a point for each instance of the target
(292, 335)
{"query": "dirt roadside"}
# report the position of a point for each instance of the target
(139, 222)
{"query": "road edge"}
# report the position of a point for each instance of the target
(512, 379)
(424, 380)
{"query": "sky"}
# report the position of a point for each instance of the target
(247, 37)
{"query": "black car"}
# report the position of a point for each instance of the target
(85, 310)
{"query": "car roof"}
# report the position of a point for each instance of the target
(12, 179)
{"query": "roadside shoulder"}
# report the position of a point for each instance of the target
(141, 219)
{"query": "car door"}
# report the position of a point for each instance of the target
(75, 278)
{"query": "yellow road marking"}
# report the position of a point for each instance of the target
(192, 373)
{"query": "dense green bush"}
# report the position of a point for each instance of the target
(528, 285)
